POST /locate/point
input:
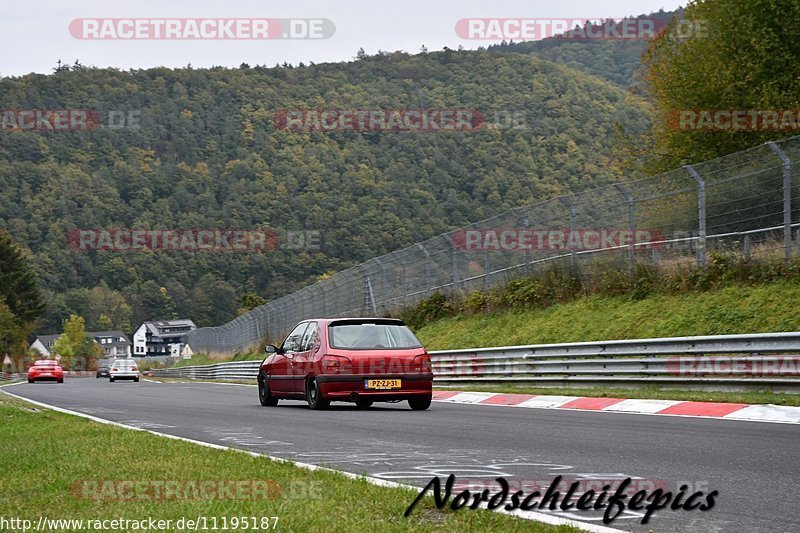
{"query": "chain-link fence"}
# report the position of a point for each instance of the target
(744, 202)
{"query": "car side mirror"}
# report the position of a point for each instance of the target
(271, 349)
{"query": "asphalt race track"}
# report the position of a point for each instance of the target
(754, 466)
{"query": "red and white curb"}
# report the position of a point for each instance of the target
(729, 411)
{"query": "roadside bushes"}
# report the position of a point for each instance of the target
(560, 283)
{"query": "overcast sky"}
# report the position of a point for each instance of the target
(36, 33)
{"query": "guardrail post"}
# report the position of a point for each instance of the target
(787, 199)
(747, 246)
(629, 200)
(701, 215)
(573, 214)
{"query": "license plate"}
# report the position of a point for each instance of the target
(381, 383)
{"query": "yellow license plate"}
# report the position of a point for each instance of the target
(382, 384)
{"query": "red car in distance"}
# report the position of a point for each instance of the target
(45, 370)
(359, 360)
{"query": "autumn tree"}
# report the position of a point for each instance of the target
(74, 346)
(725, 55)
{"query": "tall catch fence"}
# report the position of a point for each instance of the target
(746, 203)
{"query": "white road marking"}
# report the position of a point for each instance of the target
(763, 413)
(641, 406)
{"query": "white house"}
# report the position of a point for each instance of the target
(161, 338)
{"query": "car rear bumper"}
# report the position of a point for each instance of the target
(51, 377)
(124, 375)
(349, 387)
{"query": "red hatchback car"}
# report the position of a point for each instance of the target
(359, 360)
(45, 370)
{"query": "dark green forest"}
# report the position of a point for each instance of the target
(207, 154)
(618, 61)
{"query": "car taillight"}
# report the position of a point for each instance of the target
(422, 363)
(336, 364)
(135, 369)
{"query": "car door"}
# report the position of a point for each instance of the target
(281, 378)
(304, 358)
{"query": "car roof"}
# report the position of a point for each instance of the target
(359, 320)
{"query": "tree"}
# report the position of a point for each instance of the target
(20, 300)
(18, 285)
(74, 343)
(727, 55)
(249, 301)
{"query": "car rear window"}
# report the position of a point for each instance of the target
(45, 362)
(375, 336)
(124, 364)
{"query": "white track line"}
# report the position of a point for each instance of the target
(527, 515)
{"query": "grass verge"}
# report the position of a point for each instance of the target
(44, 454)
(734, 309)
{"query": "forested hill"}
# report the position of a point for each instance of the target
(208, 154)
(615, 60)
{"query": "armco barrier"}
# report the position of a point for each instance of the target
(721, 362)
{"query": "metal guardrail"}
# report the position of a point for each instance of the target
(755, 361)
(234, 370)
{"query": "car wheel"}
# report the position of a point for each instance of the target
(363, 404)
(111, 380)
(314, 396)
(419, 403)
(264, 395)
(136, 380)
(30, 380)
(61, 380)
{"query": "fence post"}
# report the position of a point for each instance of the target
(454, 261)
(701, 215)
(631, 205)
(427, 262)
(787, 199)
(573, 213)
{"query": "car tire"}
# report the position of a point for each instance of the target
(97, 376)
(314, 397)
(30, 380)
(419, 403)
(61, 380)
(364, 404)
(265, 396)
(111, 380)
(136, 380)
